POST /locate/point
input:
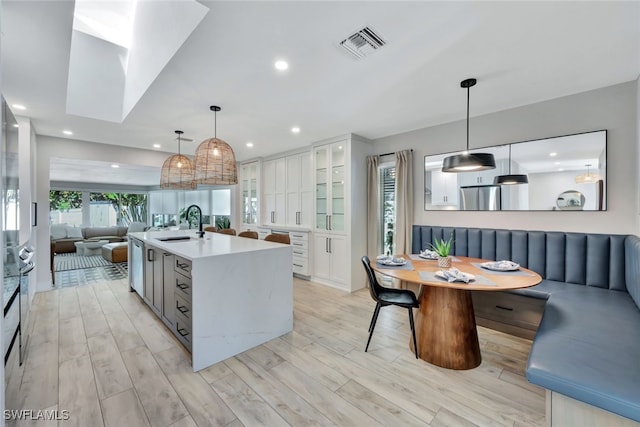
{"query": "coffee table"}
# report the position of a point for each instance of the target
(90, 247)
(445, 324)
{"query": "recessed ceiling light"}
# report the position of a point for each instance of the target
(249, 144)
(115, 166)
(67, 132)
(281, 65)
(15, 125)
(19, 107)
(553, 154)
(157, 145)
(560, 170)
(295, 129)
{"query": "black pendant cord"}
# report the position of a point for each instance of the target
(215, 110)
(468, 88)
(179, 132)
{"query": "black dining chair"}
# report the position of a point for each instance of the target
(389, 296)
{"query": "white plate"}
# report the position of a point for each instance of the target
(431, 257)
(501, 266)
(390, 262)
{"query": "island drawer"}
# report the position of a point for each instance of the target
(183, 333)
(182, 265)
(183, 308)
(183, 285)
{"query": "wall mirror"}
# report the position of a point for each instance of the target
(572, 164)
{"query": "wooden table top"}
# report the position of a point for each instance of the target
(503, 281)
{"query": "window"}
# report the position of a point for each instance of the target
(109, 209)
(102, 209)
(388, 206)
(65, 207)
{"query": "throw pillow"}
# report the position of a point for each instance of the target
(58, 231)
(136, 227)
(74, 233)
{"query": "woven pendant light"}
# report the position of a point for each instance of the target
(587, 178)
(177, 171)
(215, 161)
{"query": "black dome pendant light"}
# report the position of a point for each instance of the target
(467, 162)
(511, 179)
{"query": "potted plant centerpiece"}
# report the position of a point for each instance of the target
(442, 248)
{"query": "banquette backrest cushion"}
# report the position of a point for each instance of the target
(580, 258)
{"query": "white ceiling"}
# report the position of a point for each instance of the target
(520, 52)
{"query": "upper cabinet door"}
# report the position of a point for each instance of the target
(321, 157)
(305, 217)
(337, 217)
(331, 175)
(249, 193)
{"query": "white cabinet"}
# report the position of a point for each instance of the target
(340, 200)
(249, 206)
(483, 177)
(330, 167)
(274, 191)
(299, 189)
(331, 258)
(444, 188)
(300, 243)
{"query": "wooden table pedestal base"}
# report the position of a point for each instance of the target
(446, 328)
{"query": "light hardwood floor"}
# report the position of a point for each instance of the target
(100, 353)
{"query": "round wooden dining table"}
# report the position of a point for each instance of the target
(445, 324)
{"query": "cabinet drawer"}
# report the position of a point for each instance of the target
(300, 253)
(301, 266)
(511, 309)
(182, 265)
(300, 244)
(295, 235)
(183, 285)
(183, 332)
(183, 308)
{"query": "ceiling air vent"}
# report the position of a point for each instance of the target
(363, 42)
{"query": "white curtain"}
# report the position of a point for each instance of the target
(373, 206)
(404, 201)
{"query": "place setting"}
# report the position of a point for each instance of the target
(429, 255)
(454, 275)
(504, 267)
(396, 263)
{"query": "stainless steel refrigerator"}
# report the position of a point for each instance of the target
(480, 198)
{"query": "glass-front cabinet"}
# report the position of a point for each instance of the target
(249, 193)
(330, 187)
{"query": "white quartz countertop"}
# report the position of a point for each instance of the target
(212, 244)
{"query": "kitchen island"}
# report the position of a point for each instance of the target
(220, 295)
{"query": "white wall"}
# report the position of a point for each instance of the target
(545, 188)
(637, 115)
(613, 108)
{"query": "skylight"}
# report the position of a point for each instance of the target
(111, 21)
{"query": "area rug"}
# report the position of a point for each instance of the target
(64, 262)
(90, 276)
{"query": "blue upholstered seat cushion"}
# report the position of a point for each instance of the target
(588, 347)
(544, 289)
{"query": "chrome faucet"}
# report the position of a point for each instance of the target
(200, 232)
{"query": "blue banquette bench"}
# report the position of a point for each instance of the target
(587, 344)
